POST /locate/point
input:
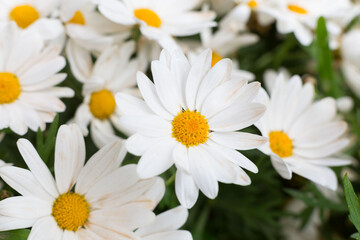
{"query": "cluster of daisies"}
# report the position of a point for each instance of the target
(188, 115)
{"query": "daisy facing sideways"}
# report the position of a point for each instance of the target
(98, 200)
(159, 20)
(113, 72)
(28, 75)
(304, 136)
(190, 118)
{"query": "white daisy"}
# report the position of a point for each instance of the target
(243, 11)
(97, 200)
(166, 226)
(159, 20)
(350, 52)
(304, 136)
(32, 15)
(190, 117)
(230, 36)
(28, 74)
(113, 72)
(88, 28)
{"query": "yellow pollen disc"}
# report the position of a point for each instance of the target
(78, 18)
(297, 9)
(281, 144)
(215, 58)
(9, 87)
(190, 128)
(24, 15)
(148, 16)
(102, 104)
(252, 4)
(71, 211)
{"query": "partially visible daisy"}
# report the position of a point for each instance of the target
(350, 52)
(159, 20)
(28, 75)
(244, 9)
(98, 200)
(230, 36)
(88, 28)
(166, 225)
(190, 118)
(304, 136)
(113, 72)
(33, 16)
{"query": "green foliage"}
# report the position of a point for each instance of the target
(45, 146)
(353, 203)
(21, 234)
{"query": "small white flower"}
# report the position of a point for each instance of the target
(166, 225)
(97, 200)
(159, 20)
(304, 136)
(190, 117)
(33, 16)
(350, 52)
(113, 72)
(243, 11)
(28, 74)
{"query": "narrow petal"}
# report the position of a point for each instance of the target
(37, 167)
(46, 228)
(186, 190)
(281, 167)
(238, 140)
(25, 207)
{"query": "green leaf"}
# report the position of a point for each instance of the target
(352, 202)
(325, 59)
(20, 234)
(46, 146)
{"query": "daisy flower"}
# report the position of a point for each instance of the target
(113, 72)
(230, 36)
(159, 20)
(28, 74)
(243, 10)
(304, 136)
(88, 28)
(97, 200)
(32, 15)
(166, 225)
(190, 117)
(350, 52)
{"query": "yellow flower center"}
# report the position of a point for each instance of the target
(148, 16)
(252, 4)
(190, 128)
(281, 144)
(102, 104)
(297, 9)
(215, 58)
(71, 211)
(78, 18)
(24, 15)
(9, 87)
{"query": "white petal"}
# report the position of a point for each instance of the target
(186, 190)
(80, 61)
(131, 105)
(69, 156)
(137, 144)
(10, 223)
(170, 220)
(181, 159)
(149, 125)
(99, 165)
(171, 235)
(196, 75)
(218, 74)
(238, 140)
(46, 228)
(157, 159)
(24, 182)
(203, 175)
(25, 207)
(281, 167)
(37, 166)
(148, 92)
(237, 117)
